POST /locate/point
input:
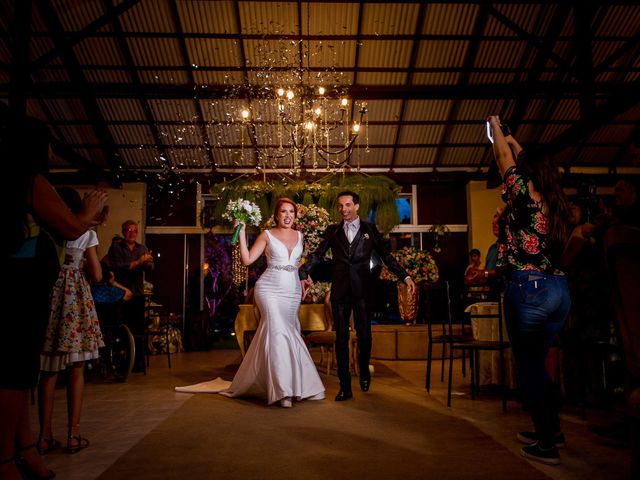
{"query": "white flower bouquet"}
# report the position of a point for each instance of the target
(243, 211)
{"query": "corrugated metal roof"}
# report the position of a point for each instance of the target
(389, 19)
(121, 109)
(163, 71)
(148, 16)
(450, 19)
(415, 157)
(205, 16)
(326, 19)
(132, 134)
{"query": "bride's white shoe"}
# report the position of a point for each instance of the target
(286, 402)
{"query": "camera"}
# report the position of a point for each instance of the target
(506, 131)
(587, 199)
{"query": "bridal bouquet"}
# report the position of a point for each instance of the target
(243, 211)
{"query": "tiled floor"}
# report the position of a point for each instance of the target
(117, 415)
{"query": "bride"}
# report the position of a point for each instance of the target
(277, 365)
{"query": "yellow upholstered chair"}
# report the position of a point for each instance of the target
(326, 340)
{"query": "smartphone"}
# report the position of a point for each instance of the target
(489, 132)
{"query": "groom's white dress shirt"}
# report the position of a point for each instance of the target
(351, 228)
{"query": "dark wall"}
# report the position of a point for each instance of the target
(171, 204)
(445, 202)
(442, 203)
(167, 275)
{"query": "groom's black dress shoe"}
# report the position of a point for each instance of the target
(365, 383)
(343, 395)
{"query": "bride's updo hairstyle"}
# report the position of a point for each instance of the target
(279, 203)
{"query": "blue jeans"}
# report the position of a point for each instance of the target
(536, 306)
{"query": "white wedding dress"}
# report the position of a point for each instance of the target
(277, 364)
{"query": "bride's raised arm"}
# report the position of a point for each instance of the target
(250, 256)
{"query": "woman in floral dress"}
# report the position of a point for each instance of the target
(73, 334)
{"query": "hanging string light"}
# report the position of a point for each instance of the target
(238, 271)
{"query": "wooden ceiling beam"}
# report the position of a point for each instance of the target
(529, 75)
(135, 78)
(196, 103)
(66, 42)
(415, 47)
(463, 80)
(80, 84)
(538, 89)
(617, 105)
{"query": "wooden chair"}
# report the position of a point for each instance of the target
(439, 321)
(475, 346)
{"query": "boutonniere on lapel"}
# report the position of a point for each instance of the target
(365, 236)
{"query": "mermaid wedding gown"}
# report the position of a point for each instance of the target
(277, 364)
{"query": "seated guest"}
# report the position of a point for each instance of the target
(108, 290)
(475, 279)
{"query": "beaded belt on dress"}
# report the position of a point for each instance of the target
(287, 268)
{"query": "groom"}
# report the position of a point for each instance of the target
(352, 242)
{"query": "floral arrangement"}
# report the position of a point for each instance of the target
(312, 222)
(418, 263)
(317, 292)
(243, 211)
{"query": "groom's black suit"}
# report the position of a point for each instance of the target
(351, 289)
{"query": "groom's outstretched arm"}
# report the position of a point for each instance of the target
(315, 258)
(384, 253)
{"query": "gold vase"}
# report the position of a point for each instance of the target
(408, 304)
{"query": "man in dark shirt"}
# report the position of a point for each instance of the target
(129, 261)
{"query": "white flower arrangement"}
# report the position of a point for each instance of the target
(243, 211)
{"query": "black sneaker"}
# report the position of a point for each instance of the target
(547, 456)
(529, 438)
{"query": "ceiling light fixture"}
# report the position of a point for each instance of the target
(312, 129)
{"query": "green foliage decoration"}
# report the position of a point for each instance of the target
(378, 193)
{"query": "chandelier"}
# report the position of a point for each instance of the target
(291, 109)
(303, 126)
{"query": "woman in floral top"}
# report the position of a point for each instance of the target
(533, 231)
